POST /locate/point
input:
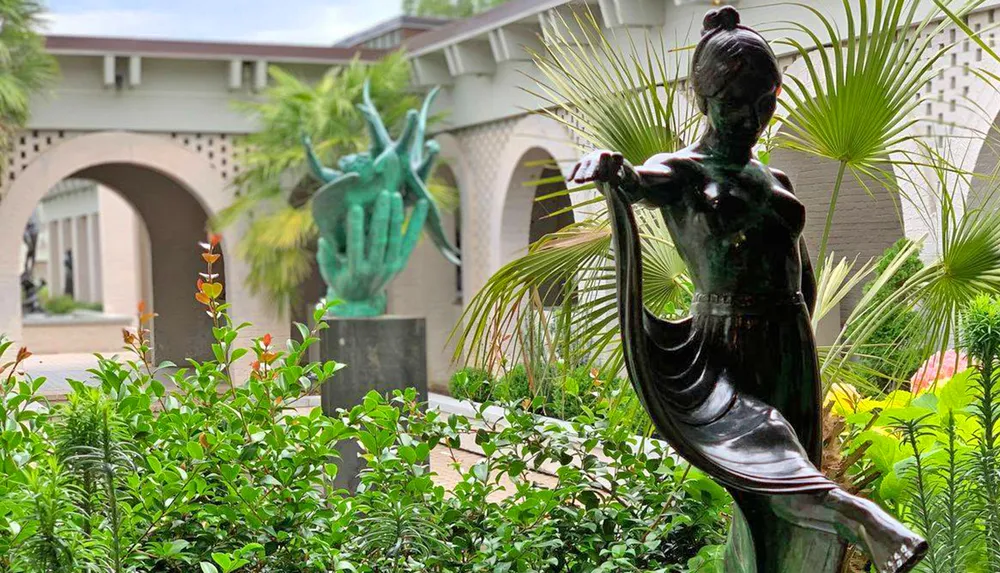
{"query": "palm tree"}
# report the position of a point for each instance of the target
(25, 66)
(274, 187)
(628, 102)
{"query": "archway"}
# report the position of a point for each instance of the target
(983, 192)
(175, 192)
(89, 264)
(526, 217)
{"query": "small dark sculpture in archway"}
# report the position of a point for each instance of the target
(735, 388)
(30, 302)
(69, 288)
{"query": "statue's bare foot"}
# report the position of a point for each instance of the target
(892, 547)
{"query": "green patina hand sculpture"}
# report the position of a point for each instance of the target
(360, 211)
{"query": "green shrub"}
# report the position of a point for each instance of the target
(62, 304)
(471, 383)
(515, 385)
(934, 457)
(126, 477)
(65, 304)
(95, 306)
(223, 475)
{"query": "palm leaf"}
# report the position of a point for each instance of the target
(854, 103)
(967, 266)
(25, 67)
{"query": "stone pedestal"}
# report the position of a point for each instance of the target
(383, 354)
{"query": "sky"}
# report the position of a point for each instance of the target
(315, 22)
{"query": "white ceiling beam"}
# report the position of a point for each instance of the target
(562, 21)
(470, 58)
(515, 43)
(110, 70)
(431, 70)
(134, 71)
(260, 75)
(235, 74)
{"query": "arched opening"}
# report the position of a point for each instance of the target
(535, 207)
(157, 233)
(983, 190)
(864, 225)
(85, 267)
(174, 192)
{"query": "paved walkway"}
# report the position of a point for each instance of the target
(58, 368)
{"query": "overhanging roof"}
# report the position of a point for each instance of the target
(397, 23)
(179, 49)
(459, 30)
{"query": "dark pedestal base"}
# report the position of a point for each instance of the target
(382, 354)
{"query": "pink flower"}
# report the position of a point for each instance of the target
(941, 366)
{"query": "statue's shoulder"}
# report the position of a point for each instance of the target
(783, 179)
(681, 165)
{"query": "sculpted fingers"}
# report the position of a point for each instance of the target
(597, 166)
(327, 258)
(413, 230)
(572, 172)
(613, 164)
(395, 230)
(379, 231)
(355, 239)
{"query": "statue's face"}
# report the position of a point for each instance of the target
(360, 163)
(743, 110)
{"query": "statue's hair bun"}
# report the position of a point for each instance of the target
(725, 18)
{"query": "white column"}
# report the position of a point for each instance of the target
(96, 262)
(86, 257)
(55, 268)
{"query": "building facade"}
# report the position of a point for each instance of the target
(493, 140)
(153, 121)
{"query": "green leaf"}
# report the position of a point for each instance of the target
(195, 450)
(480, 470)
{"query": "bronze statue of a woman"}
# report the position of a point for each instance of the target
(735, 388)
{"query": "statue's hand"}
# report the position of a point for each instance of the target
(373, 256)
(601, 166)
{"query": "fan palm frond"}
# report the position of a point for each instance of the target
(854, 103)
(622, 99)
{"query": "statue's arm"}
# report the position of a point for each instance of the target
(653, 183)
(380, 139)
(809, 289)
(435, 226)
(324, 174)
(410, 129)
(432, 150)
(808, 277)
